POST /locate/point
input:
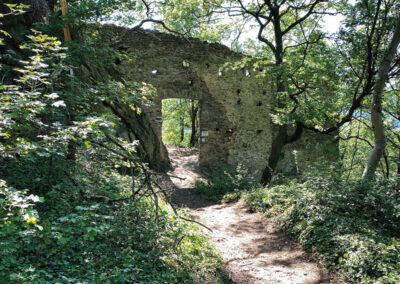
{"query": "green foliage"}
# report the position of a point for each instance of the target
(355, 229)
(14, 9)
(89, 242)
(19, 224)
(228, 185)
(177, 121)
(23, 104)
(195, 18)
(67, 214)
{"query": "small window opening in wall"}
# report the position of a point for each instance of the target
(259, 131)
(154, 72)
(264, 92)
(259, 103)
(217, 129)
(238, 91)
(239, 101)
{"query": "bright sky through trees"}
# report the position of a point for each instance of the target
(330, 24)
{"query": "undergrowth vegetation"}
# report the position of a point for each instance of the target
(81, 240)
(228, 185)
(354, 228)
(77, 203)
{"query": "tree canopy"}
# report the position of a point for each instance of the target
(79, 202)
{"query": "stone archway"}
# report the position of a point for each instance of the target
(212, 153)
(235, 120)
(179, 68)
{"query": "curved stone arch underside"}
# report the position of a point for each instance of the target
(235, 123)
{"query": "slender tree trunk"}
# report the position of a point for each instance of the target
(193, 117)
(182, 126)
(376, 108)
(398, 167)
(181, 121)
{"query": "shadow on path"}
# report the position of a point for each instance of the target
(252, 248)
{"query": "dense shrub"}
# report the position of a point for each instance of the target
(67, 214)
(79, 240)
(355, 229)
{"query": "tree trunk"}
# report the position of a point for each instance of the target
(182, 126)
(376, 108)
(276, 149)
(282, 137)
(398, 168)
(181, 121)
(279, 140)
(138, 127)
(193, 117)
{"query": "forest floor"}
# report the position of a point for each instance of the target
(252, 248)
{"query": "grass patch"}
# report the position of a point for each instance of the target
(356, 230)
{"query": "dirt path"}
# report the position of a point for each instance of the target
(253, 250)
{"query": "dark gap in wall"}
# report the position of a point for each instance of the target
(259, 103)
(238, 91)
(239, 101)
(264, 92)
(259, 131)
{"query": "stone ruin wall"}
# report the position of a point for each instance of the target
(235, 123)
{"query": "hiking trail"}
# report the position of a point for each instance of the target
(252, 248)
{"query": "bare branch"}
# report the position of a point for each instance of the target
(300, 20)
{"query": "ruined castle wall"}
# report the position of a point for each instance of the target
(235, 123)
